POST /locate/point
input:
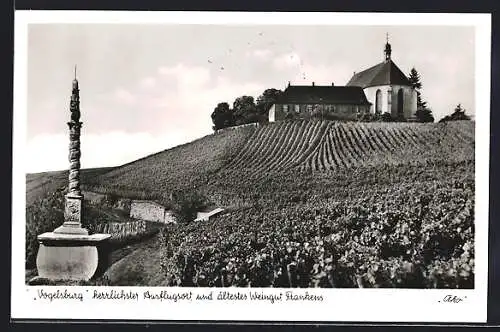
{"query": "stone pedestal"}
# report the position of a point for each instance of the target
(69, 252)
(72, 256)
(72, 216)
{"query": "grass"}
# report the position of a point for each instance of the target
(138, 264)
(39, 184)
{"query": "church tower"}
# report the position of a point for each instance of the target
(387, 50)
(387, 88)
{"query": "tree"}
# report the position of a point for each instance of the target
(266, 100)
(245, 110)
(186, 204)
(457, 115)
(222, 116)
(423, 113)
(386, 117)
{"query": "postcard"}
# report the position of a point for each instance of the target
(257, 167)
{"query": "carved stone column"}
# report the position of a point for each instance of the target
(69, 252)
(73, 215)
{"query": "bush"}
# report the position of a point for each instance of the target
(44, 215)
(369, 117)
(386, 117)
(186, 204)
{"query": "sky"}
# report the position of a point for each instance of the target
(145, 88)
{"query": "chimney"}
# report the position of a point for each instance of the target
(288, 83)
(313, 83)
(333, 84)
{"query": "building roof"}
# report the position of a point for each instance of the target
(206, 215)
(329, 94)
(385, 73)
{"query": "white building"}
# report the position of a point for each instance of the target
(205, 216)
(151, 211)
(387, 88)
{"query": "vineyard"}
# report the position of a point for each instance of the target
(329, 204)
(183, 166)
(219, 164)
(328, 145)
(315, 203)
(414, 233)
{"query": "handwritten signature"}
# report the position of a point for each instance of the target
(453, 299)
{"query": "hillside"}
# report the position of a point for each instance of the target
(228, 158)
(184, 166)
(311, 204)
(39, 184)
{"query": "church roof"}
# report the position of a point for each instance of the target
(384, 73)
(313, 94)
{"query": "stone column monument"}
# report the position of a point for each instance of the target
(74, 198)
(69, 252)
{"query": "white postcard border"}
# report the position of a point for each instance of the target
(375, 305)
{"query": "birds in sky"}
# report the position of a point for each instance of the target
(249, 43)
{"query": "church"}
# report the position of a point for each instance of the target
(379, 89)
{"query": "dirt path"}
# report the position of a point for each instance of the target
(138, 264)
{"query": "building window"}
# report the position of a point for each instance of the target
(378, 102)
(285, 108)
(400, 102)
(309, 108)
(297, 108)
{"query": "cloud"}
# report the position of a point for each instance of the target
(123, 96)
(148, 82)
(260, 54)
(448, 84)
(287, 60)
(49, 152)
(186, 76)
(323, 74)
(132, 123)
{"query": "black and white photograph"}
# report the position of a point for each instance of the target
(239, 157)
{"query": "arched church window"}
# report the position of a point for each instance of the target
(378, 102)
(400, 101)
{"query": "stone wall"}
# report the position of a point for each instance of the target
(169, 218)
(94, 198)
(123, 230)
(146, 210)
(253, 124)
(150, 211)
(108, 201)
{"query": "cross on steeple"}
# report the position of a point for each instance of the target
(387, 49)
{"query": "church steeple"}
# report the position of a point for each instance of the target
(387, 50)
